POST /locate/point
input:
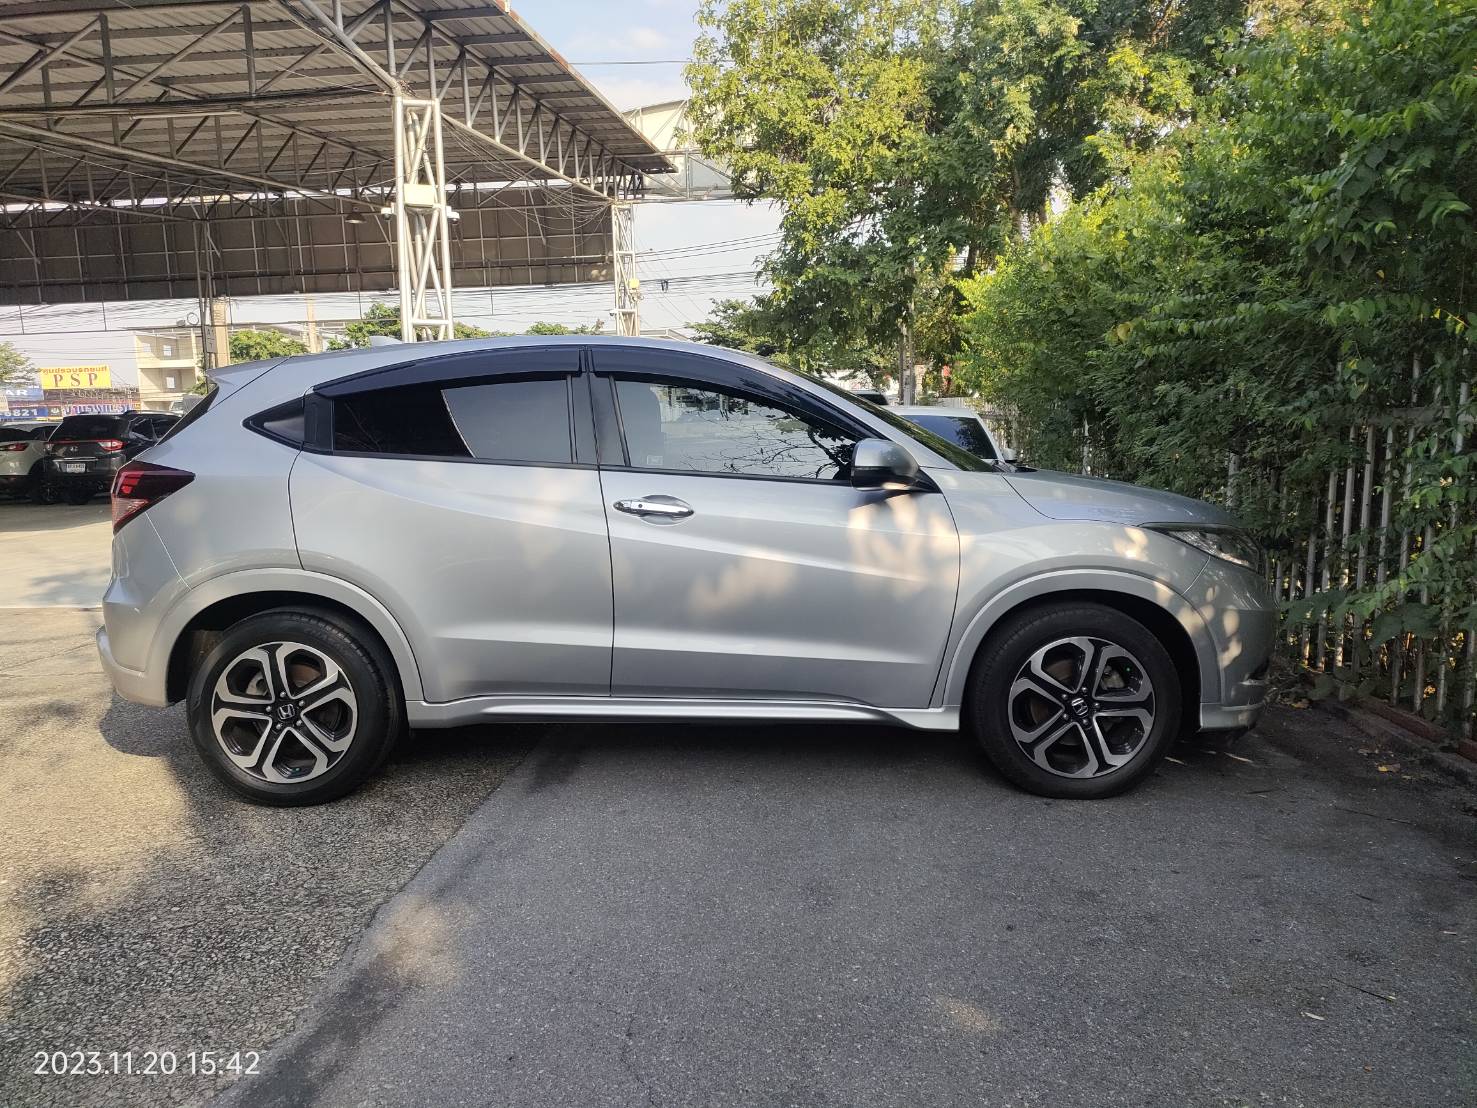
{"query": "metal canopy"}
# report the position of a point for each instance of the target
(285, 132)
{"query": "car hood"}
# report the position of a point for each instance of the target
(1066, 496)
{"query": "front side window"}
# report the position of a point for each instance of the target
(704, 429)
(500, 421)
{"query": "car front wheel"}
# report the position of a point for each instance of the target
(293, 708)
(1074, 700)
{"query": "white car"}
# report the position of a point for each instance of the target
(960, 426)
(22, 448)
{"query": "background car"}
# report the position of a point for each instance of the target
(871, 396)
(85, 452)
(961, 426)
(22, 459)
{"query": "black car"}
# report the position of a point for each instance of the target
(85, 451)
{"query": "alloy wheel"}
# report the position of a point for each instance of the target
(1081, 707)
(284, 712)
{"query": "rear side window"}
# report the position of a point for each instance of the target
(499, 421)
(91, 427)
(10, 434)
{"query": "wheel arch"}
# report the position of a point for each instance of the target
(1167, 614)
(217, 604)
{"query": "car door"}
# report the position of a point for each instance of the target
(744, 563)
(462, 493)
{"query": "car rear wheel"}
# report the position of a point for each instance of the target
(1074, 700)
(292, 708)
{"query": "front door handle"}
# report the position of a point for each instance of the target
(657, 507)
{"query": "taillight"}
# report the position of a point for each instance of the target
(110, 445)
(142, 484)
(14, 447)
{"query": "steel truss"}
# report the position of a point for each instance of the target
(345, 109)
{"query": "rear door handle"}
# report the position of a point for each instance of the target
(657, 506)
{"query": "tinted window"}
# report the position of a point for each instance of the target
(287, 422)
(10, 434)
(507, 421)
(708, 430)
(965, 431)
(91, 427)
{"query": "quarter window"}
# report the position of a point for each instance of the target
(702, 429)
(501, 421)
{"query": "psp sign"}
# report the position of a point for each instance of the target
(57, 378)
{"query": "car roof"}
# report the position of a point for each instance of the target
(277, 381)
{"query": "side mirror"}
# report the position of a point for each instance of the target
(1010, 454)
(880, 464)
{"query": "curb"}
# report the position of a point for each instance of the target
(1420, 742)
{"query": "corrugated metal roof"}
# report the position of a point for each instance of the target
(296, 108)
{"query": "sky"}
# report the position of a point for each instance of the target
(703, 251)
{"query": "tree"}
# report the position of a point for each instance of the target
(382, 320)
(15, 367)
(542, 328)
(1267, 279)
(751, 326)
(257, 346)
(909, 142)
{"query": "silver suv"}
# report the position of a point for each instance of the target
(332, 549)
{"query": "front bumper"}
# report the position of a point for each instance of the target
(1241, 616)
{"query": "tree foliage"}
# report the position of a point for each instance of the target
(909, 140)
(383, 320)
(15, 367)
(256, 346)
(1266, 279)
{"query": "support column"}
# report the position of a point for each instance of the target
(627, 285)
(422, 241)
(218, 349)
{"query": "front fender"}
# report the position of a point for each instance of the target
(950, 693)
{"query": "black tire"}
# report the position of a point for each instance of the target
(379, 717)
(1010, 647)
(40, 492)
(78, 496)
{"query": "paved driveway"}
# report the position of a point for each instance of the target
(54, 554)
(683, 916)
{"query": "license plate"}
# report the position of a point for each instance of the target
(74, 467)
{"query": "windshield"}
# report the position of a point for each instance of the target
(961, 430)
(89, 427)
(941, 446)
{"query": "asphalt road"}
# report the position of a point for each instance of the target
(700, 916)
(142, 907)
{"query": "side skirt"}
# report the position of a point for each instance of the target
(478, 709)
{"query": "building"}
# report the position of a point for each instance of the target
(168, 366)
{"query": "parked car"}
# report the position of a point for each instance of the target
(961, 426)
(22, 457)
(871, 396)
(85, 452)
(335, 546)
